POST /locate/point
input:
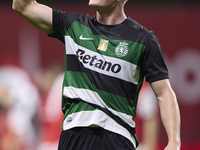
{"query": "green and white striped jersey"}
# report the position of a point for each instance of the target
(105, 65)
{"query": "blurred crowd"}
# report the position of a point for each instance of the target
(30, 109)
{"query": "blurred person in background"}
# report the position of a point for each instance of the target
(49, 81)
(19, 100)
(147, 119)
(6, 136)
(102, 79)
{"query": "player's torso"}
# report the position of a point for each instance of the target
(104, 61)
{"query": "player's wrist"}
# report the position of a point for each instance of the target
(174, 144)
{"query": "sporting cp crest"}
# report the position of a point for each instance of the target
(121, 49)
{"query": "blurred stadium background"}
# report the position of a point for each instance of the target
(176, 23)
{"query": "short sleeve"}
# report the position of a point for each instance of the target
(61, 22)
(153, 64)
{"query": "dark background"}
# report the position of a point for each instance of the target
(130, 1)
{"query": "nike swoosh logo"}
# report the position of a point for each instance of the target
(82, 38)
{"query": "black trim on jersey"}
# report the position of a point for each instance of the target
(153, 64)
(103, 82)
(127, 30)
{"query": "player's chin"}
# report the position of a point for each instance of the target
(93, 3)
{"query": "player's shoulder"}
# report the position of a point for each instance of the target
(139, 28)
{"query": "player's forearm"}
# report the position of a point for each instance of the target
(21, 5)
(150, 132)
(170, 117)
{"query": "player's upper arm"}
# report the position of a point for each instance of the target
(37, 14)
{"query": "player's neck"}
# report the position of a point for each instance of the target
(112, 17)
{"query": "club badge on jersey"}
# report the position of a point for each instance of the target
(121, 49)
